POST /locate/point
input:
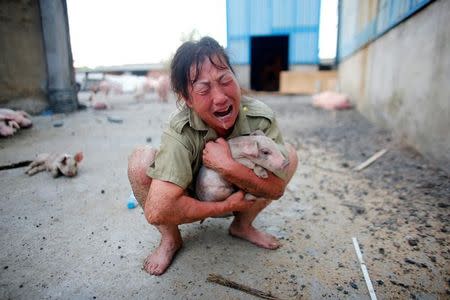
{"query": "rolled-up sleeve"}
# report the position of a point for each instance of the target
(173, 161)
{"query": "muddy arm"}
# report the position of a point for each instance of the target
(167, 203)
(271, 187)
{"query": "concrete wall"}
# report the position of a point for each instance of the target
(22, 60)
(401, 81)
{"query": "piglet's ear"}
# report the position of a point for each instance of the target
(257, 132)
(250, 149)
(79, 156)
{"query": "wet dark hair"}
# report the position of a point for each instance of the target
(193, 53)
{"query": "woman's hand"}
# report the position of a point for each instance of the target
(237, 201)
(217, 154)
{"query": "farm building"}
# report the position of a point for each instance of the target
(392, 59)
(36, 63)
(267, 37)
(394, 62)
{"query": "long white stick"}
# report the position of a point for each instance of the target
(370, 160)
(364, 270)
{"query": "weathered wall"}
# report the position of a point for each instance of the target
(402, 81)
(22, 59)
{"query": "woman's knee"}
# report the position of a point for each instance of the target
(138, 162)
(293, 160)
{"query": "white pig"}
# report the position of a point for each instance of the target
(56, 164)
(256, 152)
(11, 121)
(22, 118)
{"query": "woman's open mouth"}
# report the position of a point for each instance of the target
(221, 114)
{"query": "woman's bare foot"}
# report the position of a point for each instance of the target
(253, 235)
(159, 260)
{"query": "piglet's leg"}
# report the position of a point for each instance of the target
(260, 171)
(35, 169)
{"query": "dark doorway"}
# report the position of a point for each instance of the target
(269, 56)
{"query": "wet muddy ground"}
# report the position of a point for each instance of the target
(74, 237)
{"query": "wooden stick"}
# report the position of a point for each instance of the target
(228, 283)
(371, 159)
(372, 294)
(20, 164)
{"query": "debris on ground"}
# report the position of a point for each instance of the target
(215, 278)
(114, 119)
(58, 123)
(370, 160)
(132, 202)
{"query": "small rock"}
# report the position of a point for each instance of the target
(410, 261)
(412, 241)
(58, 123)
(115, 119)
(354, 285)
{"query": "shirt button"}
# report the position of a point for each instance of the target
(245, 108)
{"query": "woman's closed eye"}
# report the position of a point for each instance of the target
(226, 80)
(201, 89)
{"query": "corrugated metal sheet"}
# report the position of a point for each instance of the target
(299, 19)
(355, 33)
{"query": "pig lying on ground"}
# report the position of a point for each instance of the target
(256, 152)
(11, 121)
(331, 101)
(56, 164)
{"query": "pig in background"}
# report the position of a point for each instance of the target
(11, 121)
(101, 91)
(256, 151)
(330, 100)
(154, 82)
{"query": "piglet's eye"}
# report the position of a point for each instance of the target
(265, 151)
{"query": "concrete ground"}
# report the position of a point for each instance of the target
(74, 238)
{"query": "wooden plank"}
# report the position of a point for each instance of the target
(307, 82)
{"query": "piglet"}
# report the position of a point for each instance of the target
(11, 121)
(256, 152)
(331, 101)
(22, 118)
(56, 164)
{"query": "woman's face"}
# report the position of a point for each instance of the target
(215, 96)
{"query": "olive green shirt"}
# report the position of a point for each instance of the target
(180, 155)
